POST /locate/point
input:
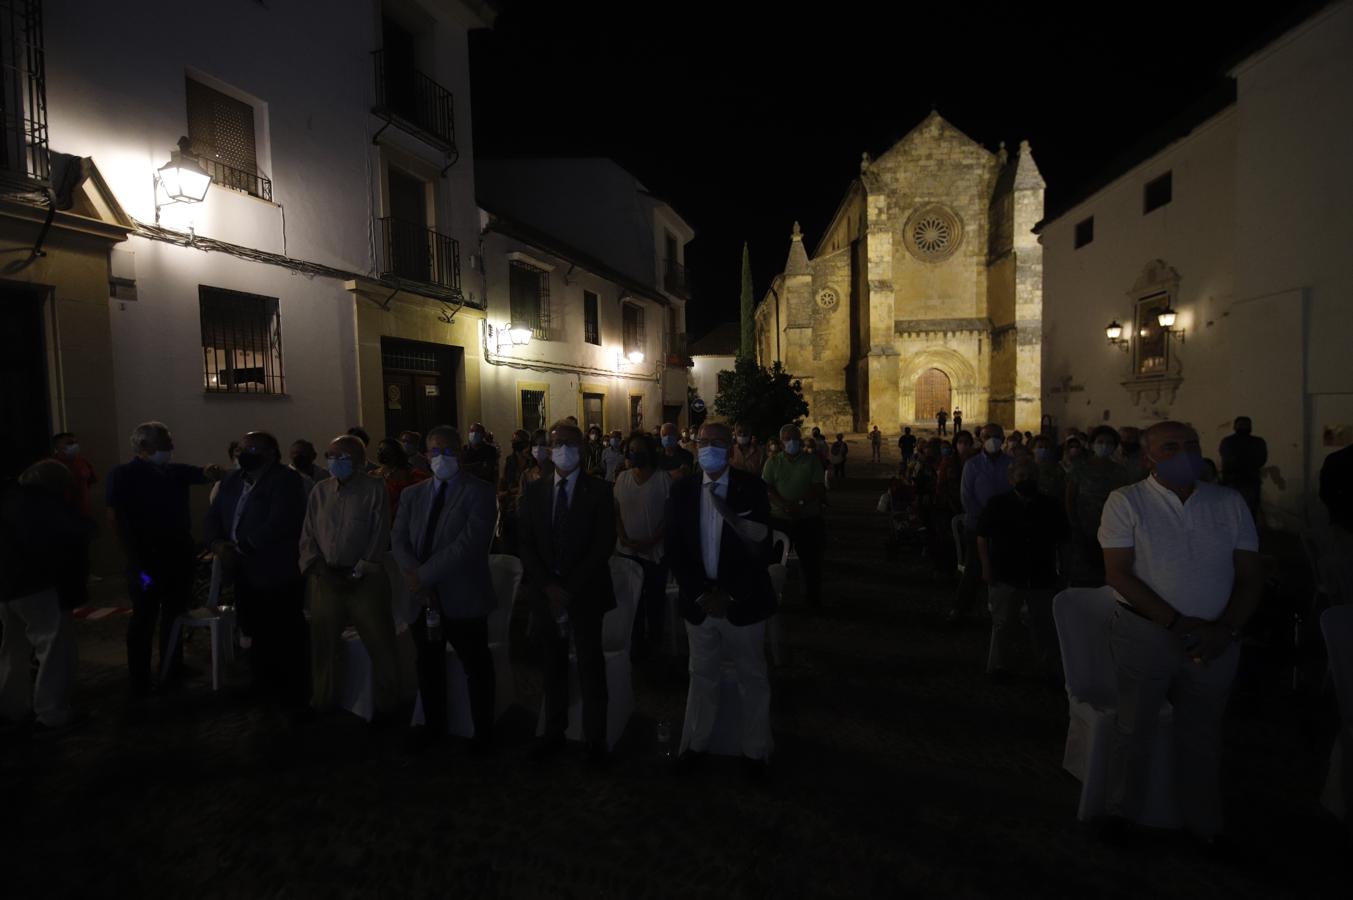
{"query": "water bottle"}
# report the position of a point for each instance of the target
(665, 739)
(432, 622)
(562, 624)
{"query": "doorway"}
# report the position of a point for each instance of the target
(25, 413)
(409, 252)
(932, 395)
(419, 384)
(594, 411)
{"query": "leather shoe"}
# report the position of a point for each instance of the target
(546, 748)
(689, 761)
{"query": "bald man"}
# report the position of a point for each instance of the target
(1182, 556)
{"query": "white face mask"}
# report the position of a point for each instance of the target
(475, 438)
(1103, 451)
(565, 458)
(444, 467)
(744, 440)
(992, 445)
(71, 451)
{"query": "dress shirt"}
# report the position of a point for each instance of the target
(711, 523)
(347, 523)
(984, 477)
(571, 483)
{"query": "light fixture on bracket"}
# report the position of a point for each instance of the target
(1114, 332)
(181, 180)
(1165, 318)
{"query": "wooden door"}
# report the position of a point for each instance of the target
(932, 395)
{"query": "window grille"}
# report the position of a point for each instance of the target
(241, 342)
(221, 134)
(591, 320)
(410, 359)
(533, 410)
(529, 289)
(24, 159)
(632, 322)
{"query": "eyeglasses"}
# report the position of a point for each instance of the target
(338, 456)
(441, 451)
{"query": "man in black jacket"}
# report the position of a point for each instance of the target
(718, 546)
(566, 529)
(254, 528)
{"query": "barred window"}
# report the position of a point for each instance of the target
(632, 323)
(591, 319)
(221, 135)
(529, 289)
(241, 342)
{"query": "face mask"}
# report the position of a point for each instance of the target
(410, 448)
(541, 454)
(743, 440)
(565, 458)
(162, 457)
(1027, 489)
(594, 437)
(475, 438)
(992, 445)
(1103, 451)
(615, 443)
(72, 451)
(946, 451)
(340, 469)
(669, 441)
(249, 460)
(1181, 470)
(793, 447)
(1073, 452)
(1041, 454)
(444, 467)
(1130, 449)
(713, 459)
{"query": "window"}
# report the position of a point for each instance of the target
(1158, 192)
(221, 134)
(632, 325)
(533, 410)
(1152, 346)
(529, 290)
(24, 158)
(241, 342)
(594, 410)
(591, 322)
(1085, 232)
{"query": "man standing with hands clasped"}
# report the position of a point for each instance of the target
(567, 532)
(719, 545)
(441, 541)
(1182, 556)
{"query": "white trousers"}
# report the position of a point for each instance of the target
(713, 642)
(37, 624)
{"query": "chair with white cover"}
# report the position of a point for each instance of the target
(775, 629)
(219, 622)
(1083, 616)
(956, 529)
(617, 627)
(1336, 624)
(779, 537)
(356, 691)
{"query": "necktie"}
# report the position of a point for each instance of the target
(425, 550)
(560, 513)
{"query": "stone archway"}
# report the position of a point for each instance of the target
(955, 367)
(933, 393)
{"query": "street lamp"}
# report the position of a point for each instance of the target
(1165, 317)
(520, 334)
(635, 357)
(1114, 332)
(181, 180)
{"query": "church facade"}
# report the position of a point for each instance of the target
(925, 291)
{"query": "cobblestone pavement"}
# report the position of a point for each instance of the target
(899, 772)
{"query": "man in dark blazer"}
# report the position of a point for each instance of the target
(566, 529)
(719, 546)
(254, 528)
(441, 541)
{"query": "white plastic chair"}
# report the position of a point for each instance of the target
(775, 627)
(219, 622)
(779, 537)
(617, 627)
(1083, 616)
(676, 624)
(1336, 624)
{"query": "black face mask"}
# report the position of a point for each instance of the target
(250, 460)
(640, 459)
(1243, 431)
(519, 446)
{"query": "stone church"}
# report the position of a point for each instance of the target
(924, 292)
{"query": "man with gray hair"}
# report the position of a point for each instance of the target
(1182, 557)
(148, 500)
(343, 544)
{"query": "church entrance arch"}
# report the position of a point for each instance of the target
(933, 393)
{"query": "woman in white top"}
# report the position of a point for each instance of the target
(640, 510)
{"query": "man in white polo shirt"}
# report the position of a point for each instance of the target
(1183, 557)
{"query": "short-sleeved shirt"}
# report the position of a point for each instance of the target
(151, 501)
(984, 476)
(670, 462)
(793, 479)
(1094, 480)
(1183, 550)
(642, 509)
(1022, 539)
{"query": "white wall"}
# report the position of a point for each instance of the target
(705, 378)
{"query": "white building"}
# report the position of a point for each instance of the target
(318, 284)
(1241, 227)
(580, 256)
(714, 352)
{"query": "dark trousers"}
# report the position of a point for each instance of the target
(839, 470)
(650, 618)
(280, 655)
(941, 424)
(971, 582)
(470, 639)
(808, 536)
(158, 590)
(586, 629)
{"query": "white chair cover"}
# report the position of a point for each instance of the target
(1336, 624)
(956, 529)
(775, 626)
(779, 537)
(1082, 616)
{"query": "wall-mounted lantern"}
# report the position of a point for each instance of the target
(1114, 332)
(181, 180)
(1165, 318)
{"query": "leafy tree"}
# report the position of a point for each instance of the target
(758, 398)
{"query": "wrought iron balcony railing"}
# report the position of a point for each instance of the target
(416, 253)
(414, 101)
(674, 278)
(24, 159)
(251, 183)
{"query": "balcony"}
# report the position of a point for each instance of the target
(412, 252)
(242, 180)
(674, 350)
(674, 279)
(24, 160)
(414, 102)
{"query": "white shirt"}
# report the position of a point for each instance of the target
(1185, 551)
(643, 509)
(570, 481)
(711, 523)
(612, 459)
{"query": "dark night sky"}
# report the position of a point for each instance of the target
(748, 116)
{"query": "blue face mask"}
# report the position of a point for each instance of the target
(1181, 470)
(793, 447)
(669, 440)
(340, 468)
(713, 459)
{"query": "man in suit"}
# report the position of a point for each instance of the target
(719, 545)
(441, 541)
(566, 529)
(254, 528)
